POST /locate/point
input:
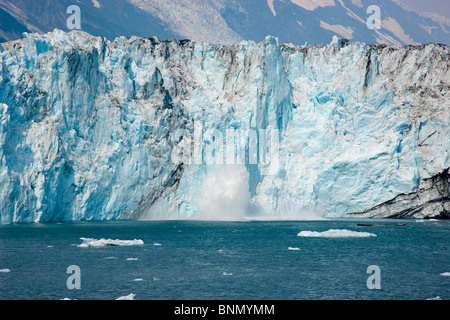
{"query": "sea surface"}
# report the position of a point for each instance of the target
(208, 260)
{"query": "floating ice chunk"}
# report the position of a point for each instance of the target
(138, 279)
(293, 248)
(435, 298)
(49, 246)
(132, 259)
(128, 297)
(110, 258)
(336, 233)
(155, 279)
(157, 244)
(227, 274)
(90, 242)
(5, 270)
(445, 274)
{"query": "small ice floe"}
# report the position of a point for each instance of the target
(435, 298)
(155, 279)
(49, 246)
(445, 274)
(157, 244)
(138, 279)
(336, 233)
(128, 297)
(66, 299)
(227, 274)
(90, 242)
(293, 248)
(132, 259)
(5, 270)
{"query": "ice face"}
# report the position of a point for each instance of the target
(147, 129)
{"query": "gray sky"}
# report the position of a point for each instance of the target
(441, 7)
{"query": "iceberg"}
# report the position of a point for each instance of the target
(139, 128)
(90, 242)
(336, 233)
(128, 297)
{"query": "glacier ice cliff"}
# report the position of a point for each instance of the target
(96, 130)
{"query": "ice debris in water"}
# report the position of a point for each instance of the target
(336, 233)
(90, 242)
(5, 270)
(128, 297)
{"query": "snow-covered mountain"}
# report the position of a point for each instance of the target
(138, 128)
(230, 21)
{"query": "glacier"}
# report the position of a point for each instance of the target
(138, 128)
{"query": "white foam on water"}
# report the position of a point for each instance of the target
(91, 242)
(157, 244)
(293, 248)
(336, 233)
(132, 259)
(138, 279)
(445, 274)
(435, 298)
(227, 274)
(128, 297)
(299, 215)
(5, 270)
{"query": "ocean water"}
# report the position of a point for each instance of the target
(226, 260)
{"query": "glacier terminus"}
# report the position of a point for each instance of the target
(139, 128)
